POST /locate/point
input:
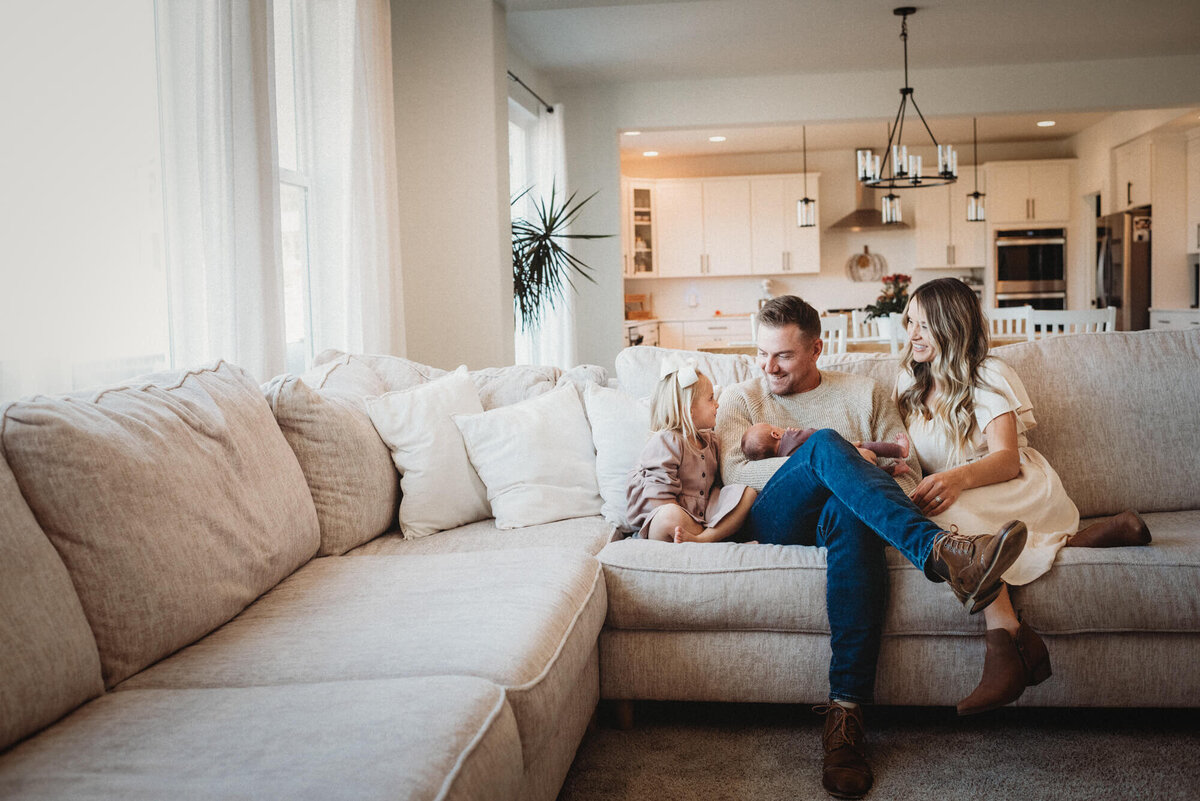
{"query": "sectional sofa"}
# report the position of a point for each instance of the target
(205, 592)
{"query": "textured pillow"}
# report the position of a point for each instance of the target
(172, 506)
(536, 459)
(637, 367)
(347, 466)
(48, 660)
(620, 427)
(440, 489)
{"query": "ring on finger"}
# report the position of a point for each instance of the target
(937, 499)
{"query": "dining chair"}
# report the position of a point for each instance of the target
(1010, 321)
(833, 333)
(1046, 322)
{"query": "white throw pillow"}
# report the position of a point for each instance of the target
(439, 488)
(535, 457)
(620, 428)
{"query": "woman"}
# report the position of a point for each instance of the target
(967, 414)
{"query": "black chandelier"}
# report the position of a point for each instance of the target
(902, 170)
(806, 207)
(975, 209)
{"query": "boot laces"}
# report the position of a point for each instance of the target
(840, 735)
(954, 542)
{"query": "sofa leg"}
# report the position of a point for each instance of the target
(623, 713)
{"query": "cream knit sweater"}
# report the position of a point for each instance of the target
(855, 406)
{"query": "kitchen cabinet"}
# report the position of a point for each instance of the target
(715, 333)
(680, 228)
(1131, 174)
(779, 244)
(1193, 192)
(642, 332)
(670, 334)
(703, 227)
(944, 238)
(1174, 319)
(638, 228)
(1029, 191)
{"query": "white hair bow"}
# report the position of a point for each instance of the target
(684, 369)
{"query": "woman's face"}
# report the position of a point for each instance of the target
(704, 406)
(923, 347)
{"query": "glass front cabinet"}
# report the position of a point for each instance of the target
(637, 229)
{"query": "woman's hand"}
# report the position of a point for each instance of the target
(937, 492)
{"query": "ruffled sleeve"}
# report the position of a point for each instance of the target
(1000, 391)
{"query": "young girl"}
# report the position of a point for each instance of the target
(967, 414)
(675, 493)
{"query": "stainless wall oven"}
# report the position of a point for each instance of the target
(1031, 266)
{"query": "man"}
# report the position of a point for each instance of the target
(830, 493)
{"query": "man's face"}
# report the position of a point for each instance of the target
(788, 358)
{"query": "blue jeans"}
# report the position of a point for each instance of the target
(826, 494)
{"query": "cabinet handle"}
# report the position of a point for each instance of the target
(1129, 193)
(1028, 214)
(1033, 208)
(787, 261)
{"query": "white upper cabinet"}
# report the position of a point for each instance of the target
(780, 245)
(944, 238)
(726, 226)
(1029, 191)
(680, 228)
(638, 224)
(1131, 174)
(1193, 192)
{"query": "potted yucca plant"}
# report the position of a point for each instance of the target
(542, 266)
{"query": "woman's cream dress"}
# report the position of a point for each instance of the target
(1036, 496)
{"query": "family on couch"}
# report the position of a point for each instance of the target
(966, 415)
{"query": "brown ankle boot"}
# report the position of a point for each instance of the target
(1010, 665)
(973, 565)
(845, 772)
(1123, 530)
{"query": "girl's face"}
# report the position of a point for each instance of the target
(923, 347)
(704, 405)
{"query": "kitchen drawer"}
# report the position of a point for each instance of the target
(1174, 319)
(642, 334)
(736, 330)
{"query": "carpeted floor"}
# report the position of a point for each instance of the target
(762, 752)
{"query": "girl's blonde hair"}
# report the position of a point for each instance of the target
(671, 406)
(960, 333)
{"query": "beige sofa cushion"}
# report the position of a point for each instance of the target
(48, 659)
(637, 368)
(1118, 416)
(347, 466)
(172, 506)
(445, 737)
(584, 534)
(525, 619)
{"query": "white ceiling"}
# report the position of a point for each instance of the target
(615, 41)
(604, 41)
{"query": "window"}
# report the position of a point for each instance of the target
(294, 185)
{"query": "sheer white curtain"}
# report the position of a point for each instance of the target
(554, 342)
(355, 252)
(220, 183)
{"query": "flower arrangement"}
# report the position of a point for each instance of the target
(893, 298)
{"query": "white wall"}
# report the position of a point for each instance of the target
(451, 88)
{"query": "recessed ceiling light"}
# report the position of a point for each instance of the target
(650, 153)
(1046, 124)
(716, 139)
(633, 133)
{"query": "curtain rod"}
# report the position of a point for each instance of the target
(549, 108)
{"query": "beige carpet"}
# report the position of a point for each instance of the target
(750, 751)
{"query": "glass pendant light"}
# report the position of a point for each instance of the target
(975, 209)
(891, 209)
(806, 207)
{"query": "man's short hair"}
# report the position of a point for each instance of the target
(791, 310)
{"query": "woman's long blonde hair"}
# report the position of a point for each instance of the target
(960, 333)
(671, 407)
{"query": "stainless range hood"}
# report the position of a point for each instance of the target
(866, 215)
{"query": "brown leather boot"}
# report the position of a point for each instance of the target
(845, 772)
(973, 565)
(1010, 665)
(1119, 531)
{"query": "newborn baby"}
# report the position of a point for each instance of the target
(763, 440)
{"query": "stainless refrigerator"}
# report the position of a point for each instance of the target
(1123, 267)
